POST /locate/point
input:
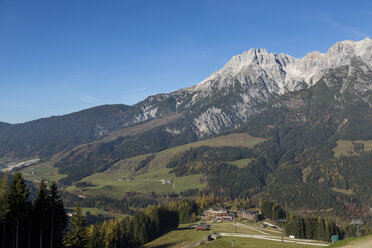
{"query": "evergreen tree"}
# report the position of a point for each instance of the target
(272, 210)
(77, 237)
(290, 225)
(310, 224)
(320, 228)
(4, 190)
(41, 214)
(58, 217)
(19, 212)
(95, 236)
(327, 234)
(126, 225)
(141, 222)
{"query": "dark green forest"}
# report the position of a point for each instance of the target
(39, 222)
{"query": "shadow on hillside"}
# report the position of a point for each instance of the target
(185, 228)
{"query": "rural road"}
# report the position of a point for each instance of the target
(252, 228)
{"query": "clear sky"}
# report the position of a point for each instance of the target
(60, 56)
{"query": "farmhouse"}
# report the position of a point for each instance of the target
(129, 179)
(246, 214)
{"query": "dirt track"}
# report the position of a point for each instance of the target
(367, 243)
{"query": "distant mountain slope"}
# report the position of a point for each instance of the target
(44, 137)
(3, 125)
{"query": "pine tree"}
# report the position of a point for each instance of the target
(320, 230)
(310, 223)
(327, 234)
(126, 225)
(95, 236)
(289, 225)
(77, 237)
(4, 190)
(41, 213)
(140, 224)
(19, 211)
(58, 217)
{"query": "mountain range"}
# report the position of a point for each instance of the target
(222, 101)
(304, 107)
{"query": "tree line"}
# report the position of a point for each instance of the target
(130, 231)
(129, 204)
(272, 210)
(41, 221)
(25, 222)
(311, 227)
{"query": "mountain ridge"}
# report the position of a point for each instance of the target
(300, 70)
(224, 100)
(255, 77)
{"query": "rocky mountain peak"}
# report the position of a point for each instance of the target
(233, 93)
(285, 71)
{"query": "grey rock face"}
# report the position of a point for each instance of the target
(230, 95)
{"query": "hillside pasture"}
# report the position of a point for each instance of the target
(345, 147)
(42, 171)
(123, 176)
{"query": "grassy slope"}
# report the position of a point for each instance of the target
(362, 242)
(134, 130)
(249, 243)
(106, 183)
(344, 147)
(241, 163)
(42, 170)
(177, 238)
(96, 211)
(189, 237)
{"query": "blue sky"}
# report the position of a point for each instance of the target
(58, 57)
